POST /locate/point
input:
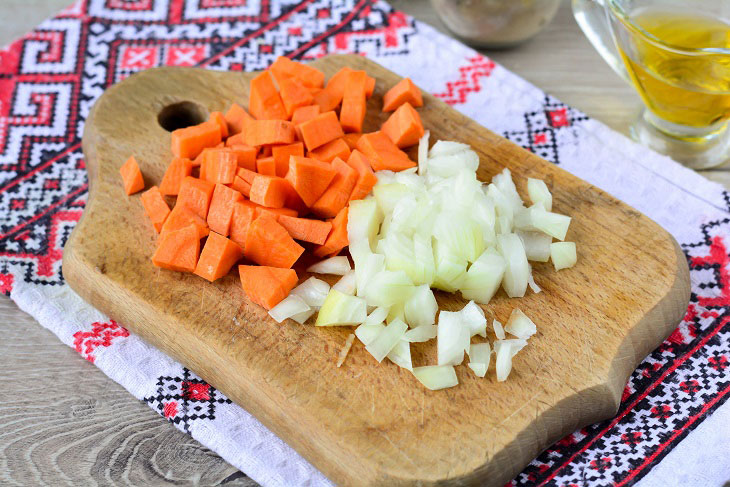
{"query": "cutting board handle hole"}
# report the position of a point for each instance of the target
(180, 115)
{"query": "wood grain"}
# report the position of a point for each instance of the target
(367, 423)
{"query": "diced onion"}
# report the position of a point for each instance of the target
(563, 255)
(539, 193)
(517, 269)
(473, 317)
(421, 307)
(367, 333)
(483, 278)
(376, 316)
(553, 224)
(386, 340)
(479, 355)
(423, 153)
(421, 333)
(435, 377)
(313, 291)
(503, 363)
(479, 369)
(401, 354)
(452, 339)
(498, 330)
(388, 288)
(363, 220)
(345, 349)
(341, 310)
(533, 285)
(346, 284)
(537, 245)
(520, 325)
(288, 307)
(302, 317)
(338, 265)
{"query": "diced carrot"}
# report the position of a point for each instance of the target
(219, 119)
(338, 192)
(246, 155)
(366, 179)
(301, 115)
(281, 155)
(181, 217)
(309, 177)
(131, 176)
(352, 113)
(331, 96)
(195, 194)
(218, 256)
(236, 139)
(351, 139)
(320, 130)
(178, 250)
(337, 239)
(178, 170)
(246, 174)
(260, 132)
(383, 153)
(269, 191)
(305, 229)
(327, 100)
(369, 86)
(268, 243)
(264, 101)
(403, 91)
(188, 142)
(294, 201)
(294, 95)
(241, 186)
(221, 208)
(274, 212)
(241, 219)
(307, 75)
(266, 151)
(330, 150)
(155, 206)
(266, 166)
(219, 166)
(266, 286)
(237, 118)
(404, 126)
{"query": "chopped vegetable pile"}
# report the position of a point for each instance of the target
(297, 180)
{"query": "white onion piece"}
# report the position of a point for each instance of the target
(302, 317)
(388, 194)
(367, 333)
(504, 182)
(514, 344)
(313, 291)
(376, 316)
(539, 193)
(341, 310)
(473, 317)
(401, 355)
(435, 377)
(479, 355)
(338, 265)
(421, 307)
(503, 364)
(553, 224)
(483, 278)
(448, 165)
(520, 325)
(503, 225)
(346, 284)
(388, 288)
(386, 340)
(450, 269)
(498, 330)
(459, 234)
(423, 153)
(372, 265)
(396, 312)
(563, 255)
(517, 269)
(502, 205)
(363, 220)
(288, 307)
(425, 267)
(452, 338)
(421, 333)
(447, 148)
(533, 285)
(345, 350)
(537, 245)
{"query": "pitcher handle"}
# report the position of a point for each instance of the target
(592, 17)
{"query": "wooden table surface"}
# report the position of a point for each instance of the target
(65, 422)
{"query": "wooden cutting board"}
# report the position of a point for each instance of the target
(368, 423)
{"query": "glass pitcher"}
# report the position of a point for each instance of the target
(676, 54)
